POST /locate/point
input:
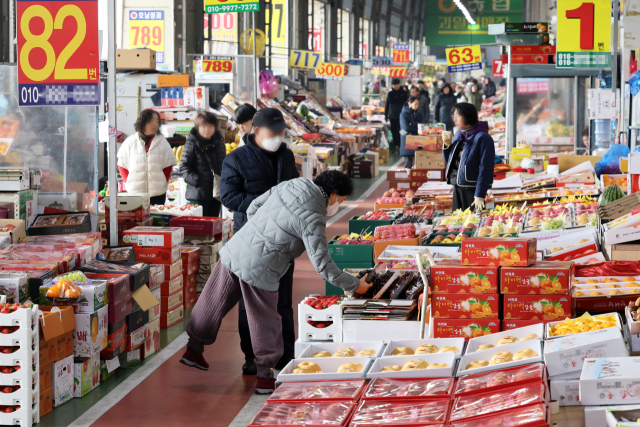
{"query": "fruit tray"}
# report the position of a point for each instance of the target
(358, 225)
(329, 367)
(409, 388)
(325, 391)
(528, 332)
(399, 413)
(330, 349)
(444, 366)
(586, 291)
(537, 415)
(496, 380)
(438, 344)
(501, 357)
(583, 324)
(310, 414)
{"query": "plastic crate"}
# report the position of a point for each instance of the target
(350, 253)
(308, 332)
(359, 225)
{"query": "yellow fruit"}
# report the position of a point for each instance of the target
(614, 286)
(594, 287)
(610, 280)
(594, 294)
(580, 294)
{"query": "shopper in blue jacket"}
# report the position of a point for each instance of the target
(409, 119)
(469, 158)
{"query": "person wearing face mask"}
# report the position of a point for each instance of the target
(247, 173)
(201, 164)
(409, 120)
(243, 117)
(284, 222)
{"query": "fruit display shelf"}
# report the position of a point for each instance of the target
(557, 217)
(368, 222)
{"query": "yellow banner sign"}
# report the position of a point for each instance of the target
(304, 59)
(584, 26)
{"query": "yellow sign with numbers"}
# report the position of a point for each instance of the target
(277, 18)
(304, 59)
(584, 26)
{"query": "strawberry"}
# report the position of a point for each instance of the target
(6, 370)
(7, 350)
(5, 331)
(7, 390)
(16, 368)
(8, 410)
(5, 310)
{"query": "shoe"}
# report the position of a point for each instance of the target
(265, 385)
(193, 359)
(249, 368)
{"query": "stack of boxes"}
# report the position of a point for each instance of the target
(190, 266)
(133, 210)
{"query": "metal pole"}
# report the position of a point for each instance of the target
(577, 123)
(66, 140)
(111, 92)
(614, 54)
(255, 60)
(184, 36)
(511, 111)
(96, 190)
(12, 36)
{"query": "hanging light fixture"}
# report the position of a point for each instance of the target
(465, 12)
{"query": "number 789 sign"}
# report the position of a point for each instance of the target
(464, 58)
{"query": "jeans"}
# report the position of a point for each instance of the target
(209, 207)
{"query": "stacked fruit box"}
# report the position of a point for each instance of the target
(152, 344)
(320, 319)
(190, 265)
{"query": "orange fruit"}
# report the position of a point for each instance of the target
(479, 288)
(486, 284)
(94, 329)
(546, 283)
(505, 255)
(556, 285)
(559, 311)
(487, 310)
(515, 257)
(477, 333)
(475, 282)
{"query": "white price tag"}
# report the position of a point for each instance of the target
(112, 364)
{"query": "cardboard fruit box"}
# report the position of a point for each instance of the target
(543, 278)
(507, 252)
(534, 345)
(169, 319)
(448, 359)
(130, 207)
(424, 142)
(453, 277)
(160, 237)
(118, 285)
(462, 306)
(90, 335)
(465, 328)
(154, 255)
(198, 226)
(536, 307)
(350, 253)
(86, 375)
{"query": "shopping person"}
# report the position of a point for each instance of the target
(469, 158)
(201, 164)
(247, 173)
(283, 223)
(146, 159)
(423, 97)
(475, 96)
(446, 101)
(243, 116)
(396, 98)
(409, 120)
(488, 87)
(460, 96)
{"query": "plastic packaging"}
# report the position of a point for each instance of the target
(487, 381)
(500, 400)
(342, 390)
(303, 413)
(268, 84)
(409, 388)
(610, 162)
(534, 415)
(398, 413)
(395, 232)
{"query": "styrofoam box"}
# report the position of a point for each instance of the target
(601, 280)
(634, 325)
(306, 312)
(596, 416)
(331, 333)
(448, 358)
(549, 337)
(535, 345)
(610, 380)
(565, 392)
(372, 330)
(493, 339)
(378, 346)
(629, 412)
(329, 367)
(567, 241)
(413, 344)
(567, 376)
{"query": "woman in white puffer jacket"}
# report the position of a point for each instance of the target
(146, 159)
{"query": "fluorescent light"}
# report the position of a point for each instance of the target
(465, 12)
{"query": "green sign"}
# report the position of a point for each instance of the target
(224, 6)
(583, 60)
(446, 25)
(429, 70)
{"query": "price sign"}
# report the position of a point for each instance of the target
(429, 70)
(146, 29)
(223, 6)
(398, 71)
(58, 52)
(464, 59)
(305, 59)
(498, 68)
(218, 65)
(413, 73)
(583, 34)
(400, 53)
(328, 71)
(381, 61)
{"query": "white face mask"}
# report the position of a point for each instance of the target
(333, 209)
(272, 144)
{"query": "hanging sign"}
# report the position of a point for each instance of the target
(304, 59)
(464, 59)
(583, 34)
(277, 16)
(498, 68)
(328, 71)
(217, 65)
(400, 53)
(413, 73)
(384, 61)
(223, 6)
(429, 70)
(398, 71)
(58, 52)
(146, 30)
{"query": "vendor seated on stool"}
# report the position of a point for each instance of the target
(469, 158)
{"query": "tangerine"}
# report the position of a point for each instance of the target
(557, 285)
(475, 282)
(486, 283)
(487, 310)
(505, 255)
(515, 257)
(559, 311)
(546, 283)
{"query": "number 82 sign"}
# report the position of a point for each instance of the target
(464, 59)
(58, 52)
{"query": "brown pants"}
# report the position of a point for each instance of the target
(221, 293)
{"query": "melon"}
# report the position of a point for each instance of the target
(610, 194)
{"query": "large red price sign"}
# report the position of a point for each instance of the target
(329, 71)
(58, 52)
(400, 53)
(217, 66)
(400, 72)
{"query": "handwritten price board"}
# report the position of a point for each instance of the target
(400, 53)
(304, 59)
(146, 29)
(398, 71)
(58, 52)
(328, 71)
(224, 6)
(464, 59)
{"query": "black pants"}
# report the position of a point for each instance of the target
(462, 197)
(395, 132)
(408, 161)
(159, 200)
(209, 207)
(285, 309)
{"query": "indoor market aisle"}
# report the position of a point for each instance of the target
(164, 392)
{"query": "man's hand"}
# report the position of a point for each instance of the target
(364, 286)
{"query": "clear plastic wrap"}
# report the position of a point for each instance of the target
(534, 415)
(303, 413)
(343, 390)
(107, 266)
(487, 381)
(409, 388)
(465, 407)
(398, 413)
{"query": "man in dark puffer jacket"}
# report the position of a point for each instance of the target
(247, 173)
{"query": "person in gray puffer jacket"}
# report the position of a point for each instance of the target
(283, 223)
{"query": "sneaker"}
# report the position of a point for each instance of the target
(249, 368)
(191, 358)
(265, 385)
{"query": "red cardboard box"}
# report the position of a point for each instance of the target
(152, 345)
(452, 277)
(170, 287)
(153, 255)
(171, 302)
(190, 281)
(424, 142)
(190, 254)
(169, 319)
(159, 237)
(118, 285)
(461, 306)
(198, 225)
(136, 338)
(508, 251)
(533, 59)
(190, 299)
(536, 307)
(189, 269)
(130, 207)
(120, 309)
(509, 324)
(532, 50)
(115, 343)
(464, 328)
(543, 278)
(579, 251)
(171, 271)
